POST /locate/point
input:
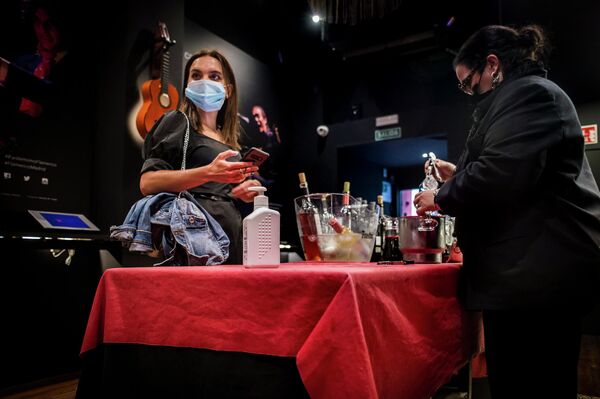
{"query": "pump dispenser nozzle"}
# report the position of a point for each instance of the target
(261, 200)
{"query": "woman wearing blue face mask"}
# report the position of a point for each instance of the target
(214, 173)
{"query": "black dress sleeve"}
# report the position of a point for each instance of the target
(163, 146)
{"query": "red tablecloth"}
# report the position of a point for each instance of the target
(356, 330)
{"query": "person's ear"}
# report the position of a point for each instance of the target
(494, 62)
(228, 90)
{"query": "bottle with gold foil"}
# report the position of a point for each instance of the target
(346, 210)
(310, 223)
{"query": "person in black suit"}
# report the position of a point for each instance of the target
(527, 212)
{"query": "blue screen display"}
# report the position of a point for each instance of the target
(58, 220)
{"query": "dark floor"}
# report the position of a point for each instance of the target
(67, 389)
(451, 391)
(61, 390)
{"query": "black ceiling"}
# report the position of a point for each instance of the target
(274, 30)
(281, 32)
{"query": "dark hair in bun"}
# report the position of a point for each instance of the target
(518, 49)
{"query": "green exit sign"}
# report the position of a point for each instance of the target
(387, 134)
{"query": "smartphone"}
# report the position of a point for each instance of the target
(255, 155)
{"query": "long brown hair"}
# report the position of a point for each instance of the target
(227, 118)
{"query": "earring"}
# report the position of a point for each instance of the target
(495, 80)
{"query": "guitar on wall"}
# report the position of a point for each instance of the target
(159, 96)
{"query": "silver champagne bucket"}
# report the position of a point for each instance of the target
(422, 246)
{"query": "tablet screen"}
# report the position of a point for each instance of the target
(58, 220)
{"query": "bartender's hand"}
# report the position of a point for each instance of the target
(424, 202)
(241, 190)
(223, 171)
(445, 169)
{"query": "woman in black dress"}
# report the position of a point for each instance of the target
(214, 173)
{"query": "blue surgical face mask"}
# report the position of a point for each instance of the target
(208, 95)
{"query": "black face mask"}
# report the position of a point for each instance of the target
(477, 96)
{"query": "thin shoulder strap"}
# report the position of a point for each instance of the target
(186, 140)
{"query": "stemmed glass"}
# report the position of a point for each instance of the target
(427, 223)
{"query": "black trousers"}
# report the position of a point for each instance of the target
(532, 353)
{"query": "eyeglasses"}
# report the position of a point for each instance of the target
(465, 85)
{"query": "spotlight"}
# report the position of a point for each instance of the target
(316, 19)
(425, 155)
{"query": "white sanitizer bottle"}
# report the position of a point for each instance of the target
(261, 233)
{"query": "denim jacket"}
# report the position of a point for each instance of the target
(177, 224)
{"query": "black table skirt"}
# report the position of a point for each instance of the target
(141, 371)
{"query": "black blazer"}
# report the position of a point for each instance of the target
(526, 204)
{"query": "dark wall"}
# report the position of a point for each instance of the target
(572, 29)
(84, 143)
(44, 155)
(121, 71)
(45, 303)
(254, 78)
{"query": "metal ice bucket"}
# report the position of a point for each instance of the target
(422, 246)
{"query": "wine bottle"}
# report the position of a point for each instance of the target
(380, 235)
(346, 210)
(346, 192)
(303, 184)
(338, 227)
(307, 205)
(391, 246)
(325, 215)
(310, 224)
